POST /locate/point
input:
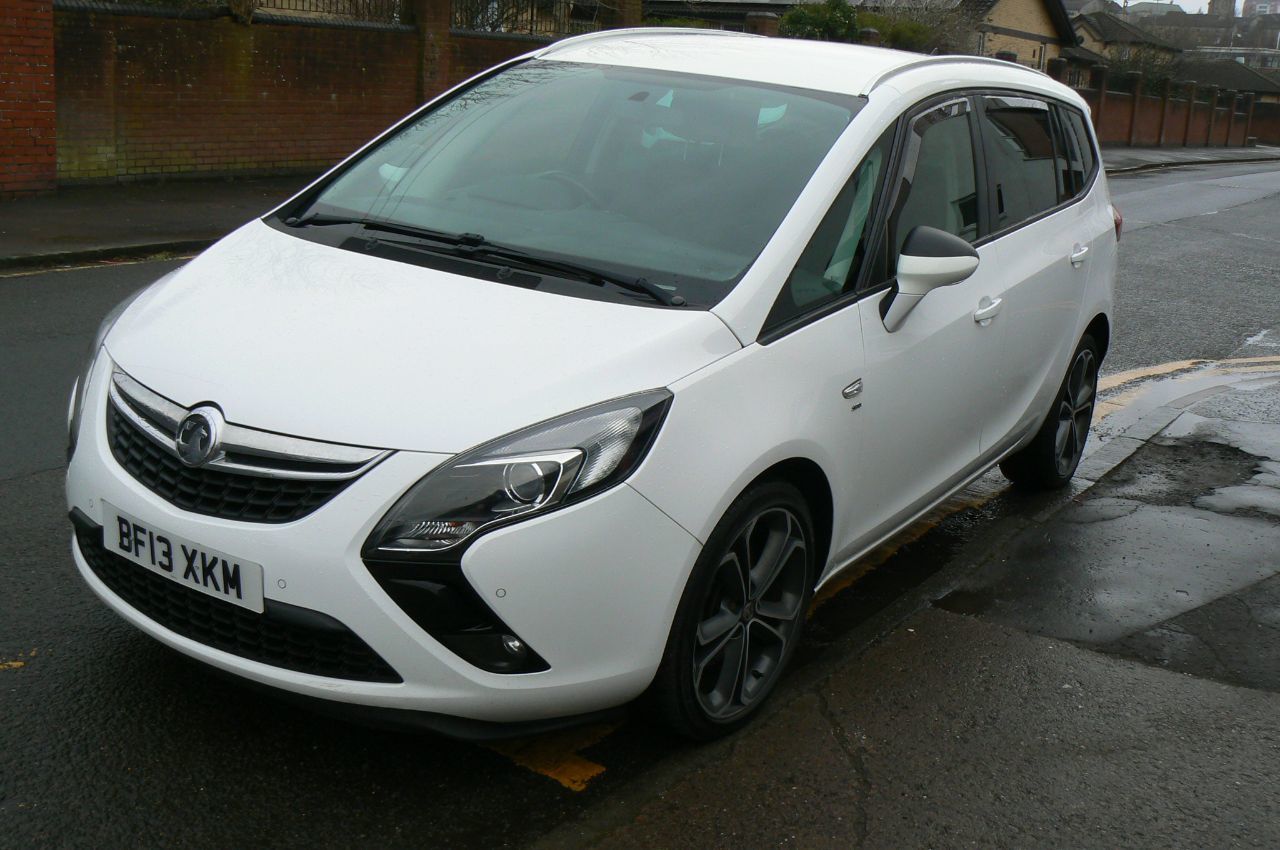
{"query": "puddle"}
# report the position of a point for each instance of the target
(1176, 473)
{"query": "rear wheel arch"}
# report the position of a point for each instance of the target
(1100, 329)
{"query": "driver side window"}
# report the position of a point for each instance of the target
(829, 265)
(939, 184)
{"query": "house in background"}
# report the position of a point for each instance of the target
(1030, 32)
(1121, 41)
(1146, 9)
(1231, 76)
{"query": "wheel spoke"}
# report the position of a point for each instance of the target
(717, 625)
(732, 578)
(727, 674)
(784, 609)
(765, 646)
(766, 574)
(1081, 429)
(771, 630)
(1060, 440)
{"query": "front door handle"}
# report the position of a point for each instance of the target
(986, 312)
(1078, 254)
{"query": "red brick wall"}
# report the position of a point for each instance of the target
(1116, 119)
(142, 97)
(27, 125)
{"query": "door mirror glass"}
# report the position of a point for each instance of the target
(930, 258)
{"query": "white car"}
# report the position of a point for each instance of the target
(577, 382)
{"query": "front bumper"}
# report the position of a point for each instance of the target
(592, 588)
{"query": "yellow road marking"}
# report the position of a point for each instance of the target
(17, 662)
(1131, 375)
(1103, 409)
(555, 755)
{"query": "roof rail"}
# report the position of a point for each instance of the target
(926, 61)
(633, 32)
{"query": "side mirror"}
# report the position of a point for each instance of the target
(930, 258)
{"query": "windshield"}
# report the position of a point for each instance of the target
(673, 178)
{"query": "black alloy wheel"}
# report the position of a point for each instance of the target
(1049, 461)
(741, 615)
(1075, 412)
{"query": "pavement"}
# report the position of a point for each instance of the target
(1103, 673)
(1123, 160)
(81, 224)
(87, 223)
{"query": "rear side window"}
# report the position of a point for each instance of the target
(1078, 152)
(1018, 138)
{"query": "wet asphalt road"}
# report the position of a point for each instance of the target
(109, 739)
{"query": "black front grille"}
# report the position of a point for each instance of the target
(283, 636)
(211, 492)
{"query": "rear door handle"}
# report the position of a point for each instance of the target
(1078, 254)
(986, 312)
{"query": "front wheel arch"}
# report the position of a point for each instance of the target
(810, 479)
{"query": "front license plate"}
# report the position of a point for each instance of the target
(209, 571)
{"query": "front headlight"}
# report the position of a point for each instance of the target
(75, 405)
(530, 472)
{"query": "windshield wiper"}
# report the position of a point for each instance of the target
(475, 245)
(321, 220)
(575, 270)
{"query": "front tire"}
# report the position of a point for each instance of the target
(741, 615)
(1050, 460)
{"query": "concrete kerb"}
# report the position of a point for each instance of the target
(38, 262)
(1159, 166)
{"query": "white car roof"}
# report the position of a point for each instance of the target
(819, 65)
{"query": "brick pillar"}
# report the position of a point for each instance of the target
(1248, 115)
(432, 18)
(1098, 80)
(1212, 95)
(1136, 78)
(1191, 111)
(762, 23)
(625, 13)
(28, 114)
(1232, 97)
(1166, 94)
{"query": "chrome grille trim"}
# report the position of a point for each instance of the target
(246, 451)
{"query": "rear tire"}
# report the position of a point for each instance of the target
(1050, 460)
(741, 615)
